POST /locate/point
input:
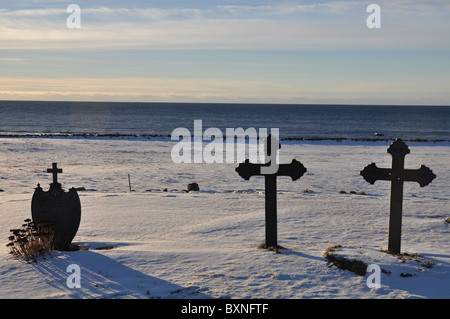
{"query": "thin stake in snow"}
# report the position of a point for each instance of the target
(129, 183)
(397, 175)
(295, 170)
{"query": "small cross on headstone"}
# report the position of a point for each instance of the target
(397, 175)
(295, 170)
(55, 171)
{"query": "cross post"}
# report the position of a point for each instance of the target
(397, 175)
(294, 170)
(55, 171)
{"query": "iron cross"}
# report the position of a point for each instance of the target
(397, 175)
(54, 170)
(295, 170)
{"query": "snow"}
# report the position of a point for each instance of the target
(170, 244)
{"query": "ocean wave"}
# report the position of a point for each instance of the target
(160, 137)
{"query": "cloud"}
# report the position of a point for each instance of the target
(332, 24)
(221, 90)
(13, 60)
(133, 89)
(43, 42)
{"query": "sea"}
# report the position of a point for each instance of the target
(158, 120)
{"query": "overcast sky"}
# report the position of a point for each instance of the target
(281, 51)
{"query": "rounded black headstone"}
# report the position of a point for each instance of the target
(61, 210)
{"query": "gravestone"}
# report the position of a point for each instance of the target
(295, 170)
(397, 175)
(60, 209)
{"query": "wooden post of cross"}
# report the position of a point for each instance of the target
(397, 175)
(295, 170)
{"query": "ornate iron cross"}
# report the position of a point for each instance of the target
(295, 170)
(397, 175)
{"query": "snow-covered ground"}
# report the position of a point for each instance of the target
(167, 243)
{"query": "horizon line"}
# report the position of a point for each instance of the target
(223, 103)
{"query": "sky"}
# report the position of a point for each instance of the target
(283, 51)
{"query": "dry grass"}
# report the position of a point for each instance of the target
(404, 257)
(31, 241)
(271, 248)
(357, 266)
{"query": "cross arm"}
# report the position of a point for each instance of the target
(295, 170)
(371, 173)
(247, 170)
(423, 175)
